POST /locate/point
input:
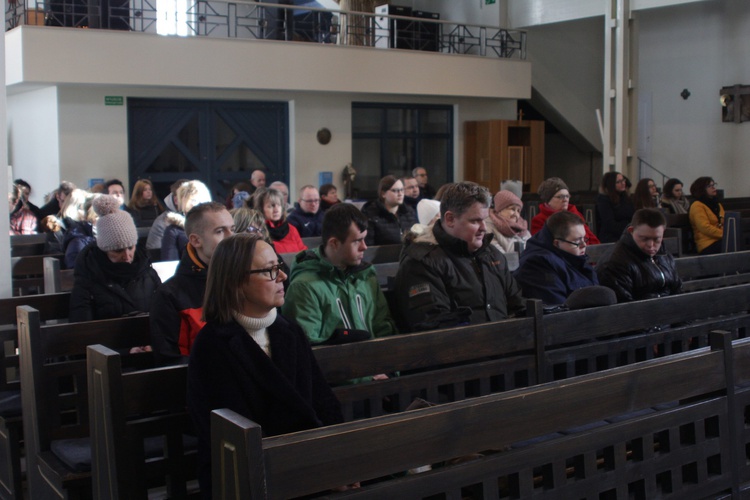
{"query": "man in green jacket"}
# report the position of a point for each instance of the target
(333, 295)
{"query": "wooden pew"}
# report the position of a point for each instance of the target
(656, 428)
(28, 273)
(56, 280)
(51, 308)
(682, 222)
(601, 251)
(713, 271)
(138, 420)
(54, 395)
(22, 245)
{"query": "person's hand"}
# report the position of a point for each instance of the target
(380, 376)
(144, 348)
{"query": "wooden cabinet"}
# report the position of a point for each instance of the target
(496, 150)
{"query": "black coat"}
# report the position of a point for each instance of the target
(440, 283)
(385, 228)
(612, 219)
(283, 393)
(633, 275)
(104, 290)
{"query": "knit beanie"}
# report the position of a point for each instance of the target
(548, 188)
(115, 229)
(427, 210)
(514, 186)
(504, 199)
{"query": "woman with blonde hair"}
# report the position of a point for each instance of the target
(144, 205)
(285, 237)
(174, 241)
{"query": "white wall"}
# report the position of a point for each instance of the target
(33, 141)
(701, 47)
(93, 137)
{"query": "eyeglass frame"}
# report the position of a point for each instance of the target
(268, 270)
(562, 197)
(584, 242)
(397, 191)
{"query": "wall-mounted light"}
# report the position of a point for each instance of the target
(685, 94)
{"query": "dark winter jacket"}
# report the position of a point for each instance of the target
(549, 274)
(77, 237)
(612, 219)
(307, 224)
(283, 393)
(176, 310)
(144, 216)
(103, 289)
(175, 240)
(441, 284)
(385, 228)
(634, 275)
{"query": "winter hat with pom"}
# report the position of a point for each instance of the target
(504, 199)
(115, 229)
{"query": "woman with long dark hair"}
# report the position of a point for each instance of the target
(673, 198)
(706, 216)
(614, 208)
(144, 205)
(646, 194)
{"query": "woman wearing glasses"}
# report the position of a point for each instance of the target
(388, 218)
(554, 263)
(614, 208)
(706, 216)
(554, 197)
(249, 358)
(285, 237)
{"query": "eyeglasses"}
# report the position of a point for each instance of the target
(580, 243)
(273, 272)
(312, 201)
(712, 185)
(396, 191)
(252, 229)
(562, 197)
(621, 181)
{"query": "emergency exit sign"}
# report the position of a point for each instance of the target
(489, 2)
(113, 100)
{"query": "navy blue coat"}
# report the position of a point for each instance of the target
(549, 274)
(307, 224)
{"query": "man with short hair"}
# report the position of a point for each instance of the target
(177, 306)
(329, 196)
(411, 191)
(258, 179)
(639, 266)
(116, 188)
(554, 263)
(306, 216)
(425, 190)
(333, 294)
(450, 274)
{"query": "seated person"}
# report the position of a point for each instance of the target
(554, 263)
(639, 267)
(307, 216)
(505, 222)
(144, 206)
(328, 196)
(388, 217)
(614, 207)
(285, 237)
(706, 216)
(451, 274)
(555, 197)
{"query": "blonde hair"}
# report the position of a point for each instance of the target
(74, 205)
(190, 194)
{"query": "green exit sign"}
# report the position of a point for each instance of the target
(489, 2)
(113, 100)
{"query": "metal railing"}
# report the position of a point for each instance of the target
(253, 20)
(644, 166)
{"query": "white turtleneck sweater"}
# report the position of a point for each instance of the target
(257, 328)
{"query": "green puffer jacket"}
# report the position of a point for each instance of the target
(322, 298)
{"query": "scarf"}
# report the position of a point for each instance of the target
(679, 206)
(279, 232)
(508, 228)
(713, 205)
(121, 273)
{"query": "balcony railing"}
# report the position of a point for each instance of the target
(253, 20)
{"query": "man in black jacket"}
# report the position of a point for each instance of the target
(177, 306)
(450, 274)
(639, 267)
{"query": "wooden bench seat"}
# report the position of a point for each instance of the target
(647, 430)
(54, 395)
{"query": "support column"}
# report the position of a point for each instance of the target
(620, 98)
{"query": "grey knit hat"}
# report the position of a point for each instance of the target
(115, 229)
(548, 188)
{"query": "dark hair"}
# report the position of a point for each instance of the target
(21, 182)
(559, 223)
(699, 186)
(642, 196)
(242, 186)
(194, 218)
(338, 219)
(386, 183)
(669, 187)
(441, 191)
(113, 182)
(136, 199)
(461, 196)
(651, 217)
(66, 187)
(262, 195)
(609, 187)
(407, 178)
(327, 188)
(226, 274)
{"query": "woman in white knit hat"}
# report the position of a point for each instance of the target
(112, 278)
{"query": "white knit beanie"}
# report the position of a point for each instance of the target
(115, 229)
(427, 210)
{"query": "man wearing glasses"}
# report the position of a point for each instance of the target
(307, 216)
(177, 305)
(554, 263)
(639, 267)
(333, 294)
